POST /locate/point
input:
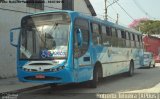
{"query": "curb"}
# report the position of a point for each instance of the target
(24, 89)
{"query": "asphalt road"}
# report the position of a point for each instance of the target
(142, 79)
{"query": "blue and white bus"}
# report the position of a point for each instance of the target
(61, 47)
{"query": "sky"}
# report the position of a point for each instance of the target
(135, 8)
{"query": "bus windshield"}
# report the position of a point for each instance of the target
(44, 36)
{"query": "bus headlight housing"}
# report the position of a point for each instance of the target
(45, 70)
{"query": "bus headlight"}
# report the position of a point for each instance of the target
(60, 68)
(26, 69)
(57, 69)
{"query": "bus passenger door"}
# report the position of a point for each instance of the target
(82, 56)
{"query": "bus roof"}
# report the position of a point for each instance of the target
(92, 18)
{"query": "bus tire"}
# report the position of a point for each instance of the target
(154, 66)
(131, 69)
(94, 81)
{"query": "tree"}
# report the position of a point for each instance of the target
(148, 26)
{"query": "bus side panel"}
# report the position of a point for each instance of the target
(117, 61)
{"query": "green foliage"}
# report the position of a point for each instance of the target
(149, 27)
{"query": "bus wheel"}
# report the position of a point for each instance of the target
(154, 66)
(93, 83)
(131, 69)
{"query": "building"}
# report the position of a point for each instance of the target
(11, 12)
(152, 44)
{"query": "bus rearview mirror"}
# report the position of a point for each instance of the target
(79, 37)
(14, 35)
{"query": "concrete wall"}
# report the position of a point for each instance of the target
(10, 17)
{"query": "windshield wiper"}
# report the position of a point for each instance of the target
(54, 28)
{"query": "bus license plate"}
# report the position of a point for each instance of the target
(40, 76)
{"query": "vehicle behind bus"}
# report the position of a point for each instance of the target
(148, 60)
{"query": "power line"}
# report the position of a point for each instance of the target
(115, 11)
(113, 20)
(113, 8)
(125, 11)
(100, 15)
(107, 15)
(137, 4)
(112, 3)
(142, 10)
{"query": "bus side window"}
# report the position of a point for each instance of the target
(127, 40)
(123, 33)
(131, 39)
(103, 30)
(104, 36)
(100, 35)
(114, 37)
(108, 31)
(96, 34)
(141, 42)
(137, 41)
(129, 35)
(109, 34)
(138, 37)
(134, 40)
(120, 42)
(83, 25)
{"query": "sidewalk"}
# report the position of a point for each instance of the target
(12, 84)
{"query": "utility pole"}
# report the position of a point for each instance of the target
(117, 18)
(105, 17)
(106, 8)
